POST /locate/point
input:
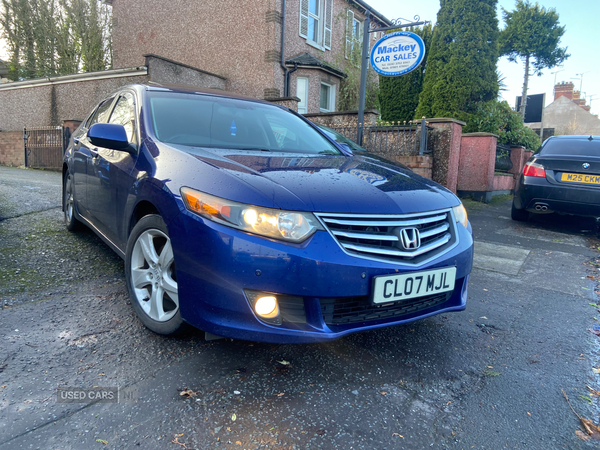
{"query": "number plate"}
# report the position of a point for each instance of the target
(580, 178)
(393, 288)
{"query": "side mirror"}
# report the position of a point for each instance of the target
(109, 135)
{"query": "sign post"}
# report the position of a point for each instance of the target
(398, 64)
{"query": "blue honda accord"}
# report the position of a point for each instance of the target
(243, 219)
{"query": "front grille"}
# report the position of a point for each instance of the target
(292, 309)
(378, 237)
(342, 311)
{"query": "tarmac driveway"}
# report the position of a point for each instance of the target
(489, 377)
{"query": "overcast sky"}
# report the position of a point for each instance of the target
(582, 37)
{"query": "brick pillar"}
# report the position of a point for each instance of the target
(289, 102)
(445, 142)
(71, 124)
(477, 162)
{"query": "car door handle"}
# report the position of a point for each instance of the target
(94, 152)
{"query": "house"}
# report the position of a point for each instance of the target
(568, 114)
(270, 49)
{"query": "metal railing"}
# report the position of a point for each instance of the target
(503, 162)
(406, 139)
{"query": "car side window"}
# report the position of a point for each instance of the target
(124, 114)
(101, 114)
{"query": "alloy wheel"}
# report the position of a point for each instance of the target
(153, 275)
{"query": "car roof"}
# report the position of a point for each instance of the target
(588, 137)
(165, 87)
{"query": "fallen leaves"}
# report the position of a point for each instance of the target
(592, 430)
(233, 417)
(102, 441)
(593, 392)
(396, 434)
(176, 441)
(188, 393)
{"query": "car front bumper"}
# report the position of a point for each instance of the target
(324, 293)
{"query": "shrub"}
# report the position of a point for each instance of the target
(498, 118)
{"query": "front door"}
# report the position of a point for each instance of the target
(109, 173)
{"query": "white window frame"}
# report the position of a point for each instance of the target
(330, 100)
(303, 103)
(318, 18)
(351, 39)
(324, 18)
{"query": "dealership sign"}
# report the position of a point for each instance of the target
(397, 53)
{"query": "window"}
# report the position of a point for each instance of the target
(314, 11)
(101, 113)
(302, 94)
(327, 98)
(354, 34)
(124, 114)
(205, 121)
(316, 22)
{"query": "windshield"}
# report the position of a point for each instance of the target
(207, 121)
(341, 139)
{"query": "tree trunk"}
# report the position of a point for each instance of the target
(524, 93)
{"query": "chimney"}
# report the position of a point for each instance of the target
(565, 90)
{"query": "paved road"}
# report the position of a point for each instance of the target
(489, 377)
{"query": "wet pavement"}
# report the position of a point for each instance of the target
(489, 377)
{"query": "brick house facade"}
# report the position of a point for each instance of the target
(242, 41)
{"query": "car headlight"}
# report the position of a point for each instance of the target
(460, 214)
(273, 223)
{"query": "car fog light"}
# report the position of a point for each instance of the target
(267, 307)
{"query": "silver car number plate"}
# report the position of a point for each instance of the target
(393, 288)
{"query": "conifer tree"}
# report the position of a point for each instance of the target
(461, 67)
(399, 96)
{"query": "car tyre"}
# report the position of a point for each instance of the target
(519, 215)
(71, 221)
(151, 276)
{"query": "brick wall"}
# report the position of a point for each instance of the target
(421, 165)
(12, 152)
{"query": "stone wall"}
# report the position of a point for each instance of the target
(47, 102)
(50, 101)
(167, 71)
(12, 151)
(343, 118)
(445, 144)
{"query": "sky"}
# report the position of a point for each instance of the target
(582, 36)
(581, 19)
